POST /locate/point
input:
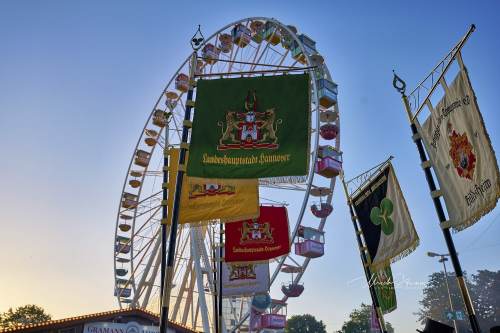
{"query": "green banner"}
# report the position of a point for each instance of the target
(384, 288)
(254, 127)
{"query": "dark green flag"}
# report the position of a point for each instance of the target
(254, 127)
(384, 288)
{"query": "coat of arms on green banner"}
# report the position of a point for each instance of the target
(254, 127)
(384, 289)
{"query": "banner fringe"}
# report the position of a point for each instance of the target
(476, 217)
(489, 207)
(216, 221)
(241, 217)
(284, 179)
(380, 265)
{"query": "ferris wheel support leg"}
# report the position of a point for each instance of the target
(206, 264)
(182, 288)
(199, 281)
(150, 282)
(155, 256)
(218, 258)
(188, 306)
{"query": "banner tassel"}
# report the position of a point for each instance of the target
(284, 179)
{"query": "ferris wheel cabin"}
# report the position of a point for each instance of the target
(159, 118)
(321, 210)
(226, 43)
(276, 317)
(292, 289)
(272, 33)
(129, 200)
(210, 53)
(182, 82)
(142, 158)
(257, 28)
(309, 46)
(122, 244)
(241, 35)
(286, 38)
(329, 162)
(310, 242)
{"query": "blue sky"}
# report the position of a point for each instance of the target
(77, 80)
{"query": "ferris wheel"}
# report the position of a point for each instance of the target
(249, 47)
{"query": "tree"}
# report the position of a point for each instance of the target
(304, 324)
(27, 314)
(435, 302)
(484, 288)
(359, 321)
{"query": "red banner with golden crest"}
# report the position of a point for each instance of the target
(259, 239)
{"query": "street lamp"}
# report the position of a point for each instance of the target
(443, 259)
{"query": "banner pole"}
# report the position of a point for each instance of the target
(164, 219)
(364, 259)
(178, 188)
(216, 280)
(439, 208)
(219, 311)
(444, 259)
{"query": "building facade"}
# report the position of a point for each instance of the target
(118, 321)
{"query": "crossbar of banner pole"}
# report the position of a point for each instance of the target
(471, 29)
(454, 51)
(378, 168)
(251, 63)
(258, 72)
(369, 170)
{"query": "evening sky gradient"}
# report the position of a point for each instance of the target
(78, 78)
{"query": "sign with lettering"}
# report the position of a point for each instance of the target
(461, 154)
(245, 278)
(130, 327)
(259, 239)
(251, 127)
(205, 199)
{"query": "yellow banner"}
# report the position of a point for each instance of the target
(205, 199)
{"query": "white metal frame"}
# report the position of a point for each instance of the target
(143, 288)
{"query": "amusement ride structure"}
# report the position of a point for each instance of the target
(246, 48)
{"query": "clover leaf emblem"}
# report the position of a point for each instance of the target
(382, 216)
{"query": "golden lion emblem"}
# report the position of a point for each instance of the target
(255, 232)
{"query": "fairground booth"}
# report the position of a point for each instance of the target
(118, 321)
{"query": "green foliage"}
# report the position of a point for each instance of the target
(304, 324)
(359, 321)
(484, 288)
(27, 314)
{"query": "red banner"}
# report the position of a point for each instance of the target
(258, 239)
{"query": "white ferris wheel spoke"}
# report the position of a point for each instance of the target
(148, 286)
